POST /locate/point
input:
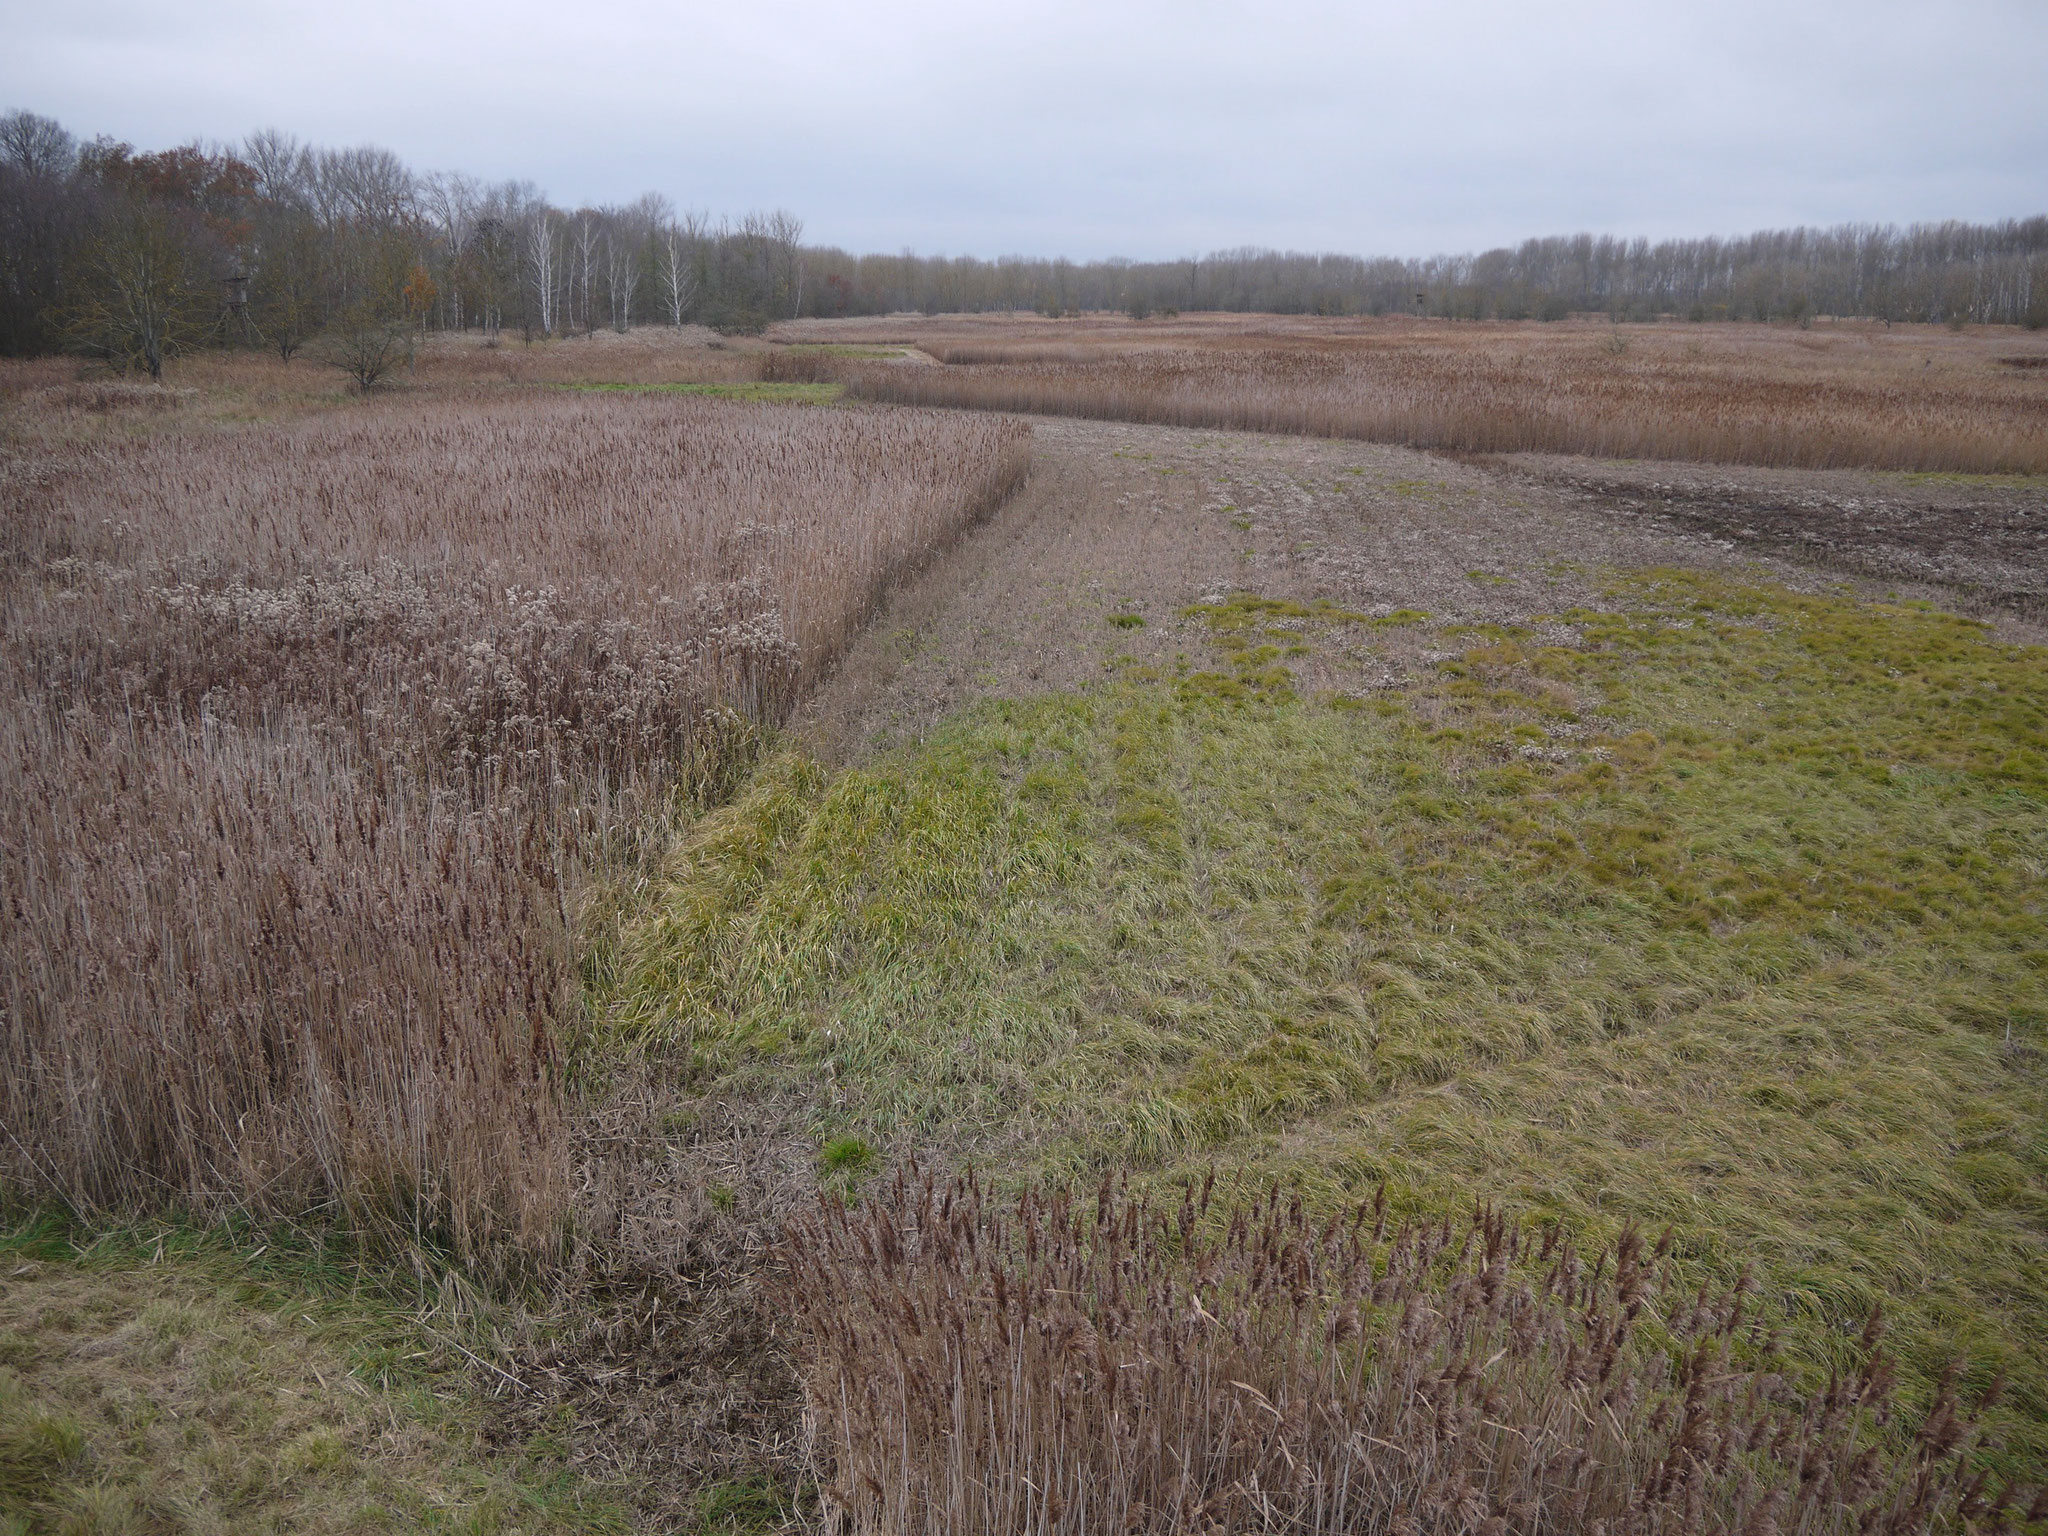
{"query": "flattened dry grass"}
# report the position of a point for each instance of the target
(142, 1398)
(1729, 917)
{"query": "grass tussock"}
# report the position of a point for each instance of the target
(1911, 399)
(171, 1397)
(1056, 1366)
(1727, 916)
(311, 733)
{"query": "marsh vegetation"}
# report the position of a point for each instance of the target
(768, 1000)
(315, 731)
(1849, 396)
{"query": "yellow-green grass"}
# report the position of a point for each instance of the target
(1728, 918)
(748, 389)
(170, 1382)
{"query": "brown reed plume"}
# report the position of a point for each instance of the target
(981, 1368)
(308, 735)
(242, 972)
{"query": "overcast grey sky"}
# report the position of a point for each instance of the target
(1144, 129)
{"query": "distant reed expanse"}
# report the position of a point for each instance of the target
(1859, 395)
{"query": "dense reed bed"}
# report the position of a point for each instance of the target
(309, 734)
(645, 355)
(1053, 1366)
(1906, 399)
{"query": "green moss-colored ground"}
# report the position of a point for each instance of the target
(182, 1384)
(1729, 918)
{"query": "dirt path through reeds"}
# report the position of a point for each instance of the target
(1122, 523)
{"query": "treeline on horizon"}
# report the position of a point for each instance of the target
(133, 256)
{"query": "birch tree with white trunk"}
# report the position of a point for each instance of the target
(454, 202)
(677, 254)
(543, 264)
(586, 252)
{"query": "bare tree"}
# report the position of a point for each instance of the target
(287, 249)
(586, 252)
(453, 203)
(677, 254)
(37, 146)
(41, 216)
(367, 186)
(633, 236)
(622, 246)
(287, 278)
(543, 264)
(496, 254)
(785, 231)
(145, 293)
(283, 167)
(368, 347)
(366, 201)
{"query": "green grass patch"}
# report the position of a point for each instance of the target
(1732, 918)
(168, 1380)
(738, 1508)
(847, 1154)
(1242, 612)
(1258, 636)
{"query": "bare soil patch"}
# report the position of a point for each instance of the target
(1982, 539)
(1124, 519)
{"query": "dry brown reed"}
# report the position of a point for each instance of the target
(780, 366)
(243, 974)
(1062, 1366)
(967, 353)
(308, 732)
(1912, 398)
(54, 400)
(645, 355)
